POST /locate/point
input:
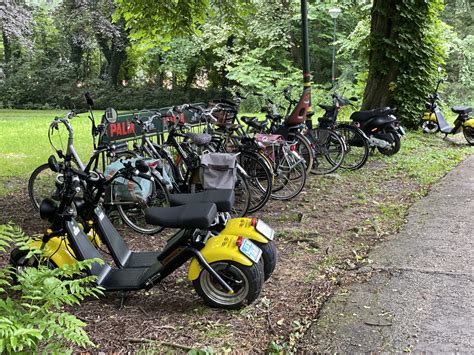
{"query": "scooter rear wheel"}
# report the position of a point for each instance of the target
(394, 147)
(246, 281)
(269, 256)
(468, 134)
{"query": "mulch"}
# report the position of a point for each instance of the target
(323, 237)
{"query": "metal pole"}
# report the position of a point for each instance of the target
(304, 21)
(334, 56)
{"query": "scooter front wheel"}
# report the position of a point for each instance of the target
(468, 134)
(430, 127)
(19, 261)
(246, 282)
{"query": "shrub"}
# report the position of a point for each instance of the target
(32, 318)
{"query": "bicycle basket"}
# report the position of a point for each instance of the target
(218, 170)
(124, 190)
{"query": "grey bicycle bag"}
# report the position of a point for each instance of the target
(218, 171)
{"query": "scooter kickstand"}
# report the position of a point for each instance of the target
(123, 297)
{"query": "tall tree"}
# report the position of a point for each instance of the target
(15, 24)
(404, 53)
(112, 37)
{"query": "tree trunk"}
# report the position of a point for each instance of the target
(7, 49)
(191, 74)
(382, 70)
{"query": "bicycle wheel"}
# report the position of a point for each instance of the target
(44, 183)
(329, 149)
(133, 214)
(242, 196)
(303, 146)
(357, 147)
(259, 179)
(290, 174)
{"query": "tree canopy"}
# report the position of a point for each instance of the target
(144, 53)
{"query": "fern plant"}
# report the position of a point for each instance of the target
(32, 315)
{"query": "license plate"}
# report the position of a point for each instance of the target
(265, 230)
(250, 250)
(402, 130)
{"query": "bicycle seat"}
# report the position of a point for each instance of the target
(367, 115)
(190, 216)
(199, 138)
(254, 122)
(461, 110)
(224, 199)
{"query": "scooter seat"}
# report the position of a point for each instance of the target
(461, 109)
(254, 122)
(190, 216)
(224, 199)
(367, 115)
(199, 138)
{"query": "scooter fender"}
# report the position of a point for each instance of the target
(245, 227)
(469, 123)
(219, 248)
(59, 250)
(56, 249)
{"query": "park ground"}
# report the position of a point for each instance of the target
(324, 238)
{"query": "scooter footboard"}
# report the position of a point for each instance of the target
(219, 248)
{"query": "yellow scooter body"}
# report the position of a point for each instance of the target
(219, 248)
(428, 116)
(247, 228)
(58, 249)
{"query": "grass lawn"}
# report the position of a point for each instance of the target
(24, 139)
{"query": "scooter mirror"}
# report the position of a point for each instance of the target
(53, 164)
(89, 100)
(111, 115)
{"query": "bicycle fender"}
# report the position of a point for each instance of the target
(219, 248)
(245, 228)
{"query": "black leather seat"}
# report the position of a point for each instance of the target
(199, 138)
(223, 199)
(367, 115)
(461, 109)
(254, 122)
(190, 216)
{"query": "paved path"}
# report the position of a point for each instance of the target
(422, 297)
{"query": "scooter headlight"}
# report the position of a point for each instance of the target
(48, 209)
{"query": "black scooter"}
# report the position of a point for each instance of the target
(382, 129)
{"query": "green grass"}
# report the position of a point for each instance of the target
(426, 157)
(24, 139)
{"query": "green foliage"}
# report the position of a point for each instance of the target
(406, 57)
(32, 316)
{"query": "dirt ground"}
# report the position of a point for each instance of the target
(323, 238)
